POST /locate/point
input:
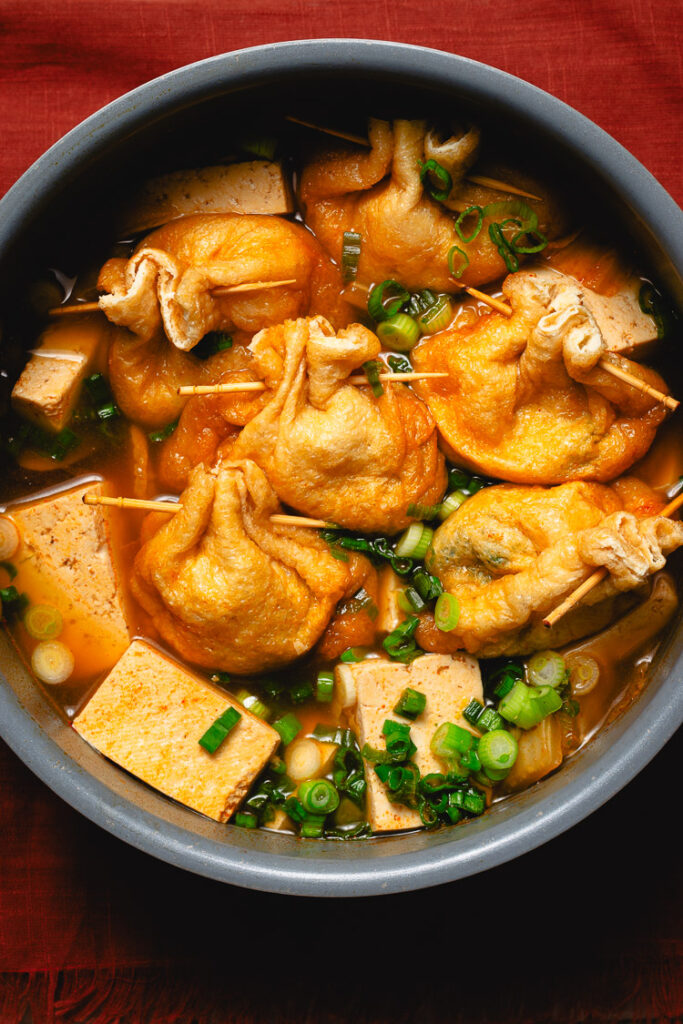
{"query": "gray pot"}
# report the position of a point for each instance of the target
(67, 193)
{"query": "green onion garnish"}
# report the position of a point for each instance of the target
(351, 248)
(372, 369)
(438, 181)
(218, 731)
(385, 300)
(409, 601)
(472, 711)
(428, 587)
(245, 819)
(463, 262)
(43, 622)
(508, 675)
(450, 741)
(352, 655)
(13, 603)
(547, 668)
(526, 706)
(399, 364)
(252, 703)
(438, 317)
(497, 750)
(262, 146)
(399, 332)
(313, 827)
(451, 503)
(411, 703)
(288, 727)
(446, 612)
(211, 343)
(400, 645)
(414, 542)
(504, 251)
(324, 687)
(301, 691)
(161, 435)
(10, 568)
(652, 304)
(417, 511)
(318, 796)
(477, 227)
(490, 720)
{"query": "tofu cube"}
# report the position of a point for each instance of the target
(627, 330)
(449, 682)
(50, 383)
(149, 715)
(253, 187)
(66, 560)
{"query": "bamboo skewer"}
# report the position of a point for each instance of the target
(501, 186)
(604, 364)
(585, 588)
(256, 385)
(248, 286)
(358, 139)
(278, 519)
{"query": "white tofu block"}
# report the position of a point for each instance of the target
(66, 560)
(50, 383)
(149, 715)
(623, 325)
(449, 682)
(255, 187)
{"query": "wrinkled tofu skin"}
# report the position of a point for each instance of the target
(526, 400)
(511, 554)
(331, 449)
(225, 587)
(170, 279)
(406, 234)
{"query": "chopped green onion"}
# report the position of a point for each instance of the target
(381, 306)
(504, 251)
(497, 750)
(97, 386)
(417, 511)
(446, 612)
(218, 731)
(13, 603)
(438, 180)
(318, 796)
(547, 668)
(399, 332)
(313, 827)
(508, 675)
(538, 246)
(352, 654)
(489, 720)
(584, 674)
(262, 146)
(526, 706)
(450, 741)
(52, 661)
(10, 568)
(399, 364)
(212, 343)
(472, 712)
(399, 645)
(464, 262)
(414, 542)
(245, 819)
(372, 371)
(324, 687)
(288, 727)
(428, 587)
(161, 435)
(277, 765)
(458, 480)
(43, 622)
(411, 703)
(409, 601)
(252, 703)
(438, 317)
(295, 809)
(301, 691)
(351, 249)
(652, 304)
(477, 228)
(451, 503)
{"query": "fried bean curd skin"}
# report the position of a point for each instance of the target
(526, 399)
(511, 554)
(226, 588)
(331, 449)
(170, 280)
(406, 234)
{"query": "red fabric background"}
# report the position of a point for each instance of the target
(588, 928)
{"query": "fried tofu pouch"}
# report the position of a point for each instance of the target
(526, 399)
(170, 279)
(511, 554)
(406, 234)
(226, 588)
(331, 449)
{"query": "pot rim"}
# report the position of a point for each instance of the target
(606, 767)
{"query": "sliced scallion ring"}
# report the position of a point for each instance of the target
(386, 299)
(505, 253)
(437, 179)
(546, 668)
(53, 662)
(454, 251)
(399, 332)
(324, 687)
(451, 503)
(446, 612)
(252, 703)
(584, 674)
(477, 228)
(415, 541)
(43, 622)
(438, 317)
(318, 796)
(497, 751)
(351, 249)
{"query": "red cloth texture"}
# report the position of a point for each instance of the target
(585, 929)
